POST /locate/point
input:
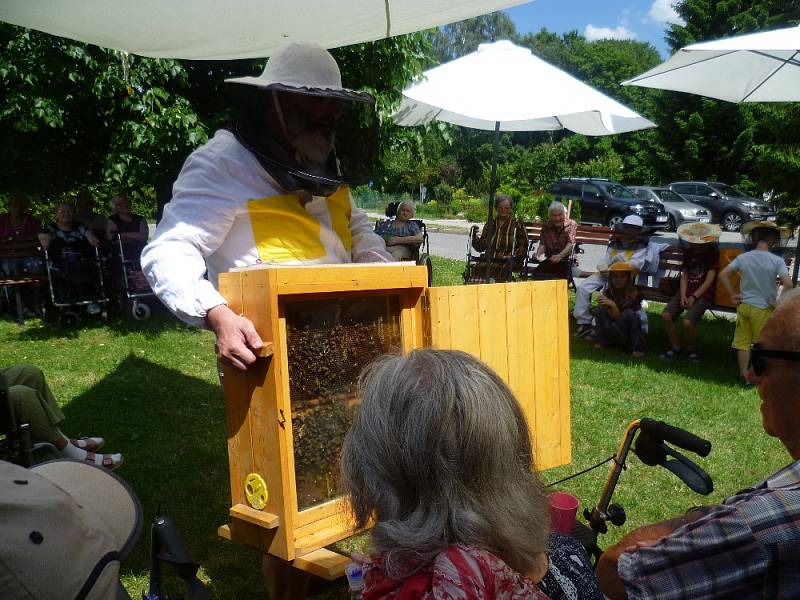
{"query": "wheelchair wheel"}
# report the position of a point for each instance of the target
(69, 319)
(425, 259)
(140, 311)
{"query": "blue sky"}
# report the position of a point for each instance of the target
(641, 20)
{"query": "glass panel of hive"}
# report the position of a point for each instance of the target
(329, 342)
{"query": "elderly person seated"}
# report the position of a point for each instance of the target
(555, 244)
(33, 402)
(18, 226)
(132, 229)
(747, 546)
(402, 235)
(509, 241)
(65, 236)
(86, 215)
(440, 456)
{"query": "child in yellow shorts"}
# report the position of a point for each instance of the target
(759, 269)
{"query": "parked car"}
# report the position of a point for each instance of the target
(608, 202)
(679, 208)
(729, 207)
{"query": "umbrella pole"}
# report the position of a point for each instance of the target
(492, 191)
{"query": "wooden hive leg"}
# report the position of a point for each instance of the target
(283, 581)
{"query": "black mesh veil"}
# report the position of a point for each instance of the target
(355, 138)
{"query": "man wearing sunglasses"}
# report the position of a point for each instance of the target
(748, 546)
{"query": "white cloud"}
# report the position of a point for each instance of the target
(662, 11)
(620, 32)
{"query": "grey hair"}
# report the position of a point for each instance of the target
(556, 206)
(408, 203)
(438, 454)
(503, 198)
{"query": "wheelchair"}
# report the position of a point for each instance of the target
(75, 281)
(130, 285)
(420, 254)
(530, 269)
(502, 270)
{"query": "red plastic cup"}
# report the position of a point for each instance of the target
(563, 507)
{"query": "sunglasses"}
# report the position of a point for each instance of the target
(759, 356)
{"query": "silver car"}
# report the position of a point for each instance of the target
(679, 208)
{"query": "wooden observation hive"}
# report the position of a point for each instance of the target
(287, 415)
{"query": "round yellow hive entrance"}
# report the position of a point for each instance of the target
(256, 491)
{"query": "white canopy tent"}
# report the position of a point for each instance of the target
(757, 67)
(217, 30)
(503, 87)
(507, 84)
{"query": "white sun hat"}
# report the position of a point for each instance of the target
(303, 68)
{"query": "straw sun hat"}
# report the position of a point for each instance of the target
(699, 233)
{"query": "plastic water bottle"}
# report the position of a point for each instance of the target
(355, 579)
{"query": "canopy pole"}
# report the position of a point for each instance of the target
(492, 191)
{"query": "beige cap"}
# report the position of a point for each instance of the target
(303, 68)
(65, 527)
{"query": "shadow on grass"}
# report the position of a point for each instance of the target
(718, 360)
(40, 330)
(171, 429)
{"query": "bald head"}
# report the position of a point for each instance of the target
(782, 331)
(780, 379)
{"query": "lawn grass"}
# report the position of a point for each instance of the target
(151, 389)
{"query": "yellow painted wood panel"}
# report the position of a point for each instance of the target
(547, 428)
(337, 278)
(439, 317)
(521, 373)
(323, 563)
(521, 331)
(270, 454)
(721, 296)
(492, 327)
(464, 334)
(564, 403)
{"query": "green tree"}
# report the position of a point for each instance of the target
(77, 115)
(457, 39)
(755, 146)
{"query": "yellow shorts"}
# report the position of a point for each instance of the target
(750, 320)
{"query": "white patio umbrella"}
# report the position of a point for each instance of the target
(757, 67)
(503, 87)
(227, 29)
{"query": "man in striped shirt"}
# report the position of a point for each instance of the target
(748, 546)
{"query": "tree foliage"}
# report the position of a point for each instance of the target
(73, 115)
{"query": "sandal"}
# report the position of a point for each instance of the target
(90, 444)
(671, 353)
(107, 461)
(694, 356)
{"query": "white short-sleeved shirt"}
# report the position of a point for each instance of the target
(759, 269)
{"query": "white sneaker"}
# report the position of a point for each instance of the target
(645, 304)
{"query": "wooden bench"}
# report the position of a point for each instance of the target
(17, 249)
(585, 234)
(663, 286)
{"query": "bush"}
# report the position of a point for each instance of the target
(443, 194)
(476, 211)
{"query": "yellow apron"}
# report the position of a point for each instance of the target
(284, 230)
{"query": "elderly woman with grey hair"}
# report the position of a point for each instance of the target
(440, 457)
(555, 244)
(402, 235)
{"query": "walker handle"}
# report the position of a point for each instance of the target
(675, 435)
